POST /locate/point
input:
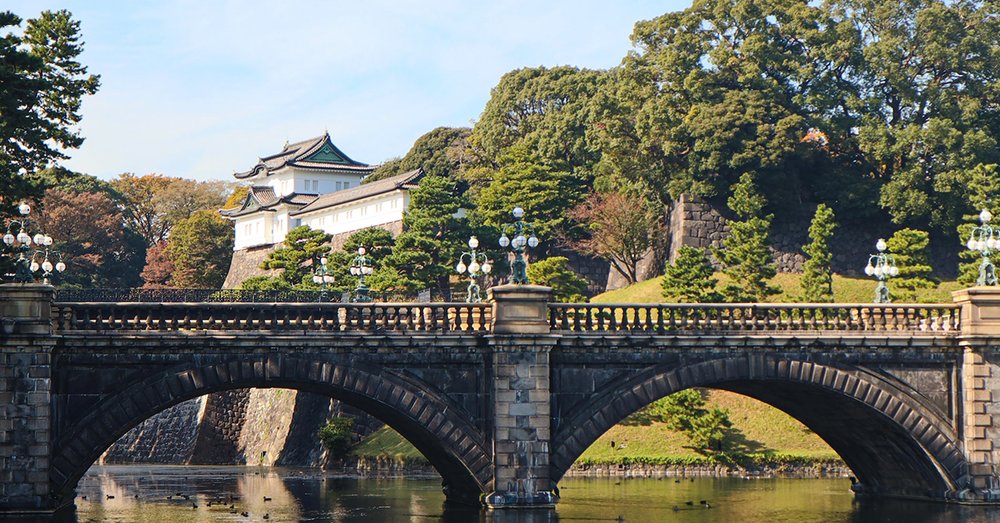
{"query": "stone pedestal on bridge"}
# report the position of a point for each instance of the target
(521, 378)
(25, 406)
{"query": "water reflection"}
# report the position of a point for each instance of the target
(161, 494)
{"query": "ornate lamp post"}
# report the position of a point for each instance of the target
(478, 264)
(46, 264)
(883, 267)
(26, 263)
(323, 276)
(985, 240)
(524, 235)
(361, 266)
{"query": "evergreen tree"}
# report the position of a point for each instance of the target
(909, 248)
(689, 278)
(984, 193)
(433, 235)
(746, 256)
(567, 286)
(545, 193)
(817, 273)
(302, 245)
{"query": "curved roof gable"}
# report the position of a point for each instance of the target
(314, 153)
(262, 198)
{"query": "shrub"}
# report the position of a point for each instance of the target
(336, 436)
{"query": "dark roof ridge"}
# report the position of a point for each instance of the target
(300, 151)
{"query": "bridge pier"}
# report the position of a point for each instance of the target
(980, 339)
(25, 401)
(521, 345)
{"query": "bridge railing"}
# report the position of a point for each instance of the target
(297, 317)
(909, 319)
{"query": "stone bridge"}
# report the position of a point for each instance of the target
(502, 397)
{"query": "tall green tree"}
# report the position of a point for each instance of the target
(545, 110)
(200, 248)
(294, 258)
(689, 279)
(41, 88)
(529, 147)
(910, 249)
(745, 255)
(817, 272)
(927, 110)
(722, 88)
(984, 188)
(434, 233)
(546, 195)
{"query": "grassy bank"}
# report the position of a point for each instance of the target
(846, 289)
(762, 434)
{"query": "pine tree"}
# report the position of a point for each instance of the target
(301, 245)
(984, 191)
(817, 273)
(909, 248)
(689, 278)
(433, 234)
(567, 286)
(747, 258)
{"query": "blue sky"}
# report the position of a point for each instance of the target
(200, 89)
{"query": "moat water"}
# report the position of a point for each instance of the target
(162, 494)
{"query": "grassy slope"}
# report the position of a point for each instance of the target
(764, 428)
(845, 290)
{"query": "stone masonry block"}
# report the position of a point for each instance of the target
(522, 409)
(981, 445)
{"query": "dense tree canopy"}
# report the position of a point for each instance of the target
(87, 228)
(200, 248)
(440, 152)
(153, 203)
(856, 103)
(545, 110)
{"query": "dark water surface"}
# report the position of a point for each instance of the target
(139, 494)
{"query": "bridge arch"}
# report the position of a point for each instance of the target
(894, 444)
(435, 425)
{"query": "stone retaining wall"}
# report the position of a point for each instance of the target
(168, 437)
(262, 427)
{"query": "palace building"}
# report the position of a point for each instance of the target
(312, 183)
